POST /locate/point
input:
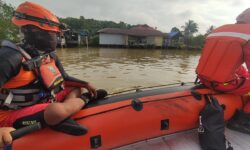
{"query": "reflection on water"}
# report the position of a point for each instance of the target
(119, 69)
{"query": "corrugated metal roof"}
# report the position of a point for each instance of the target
(140, 30)
(173, 34)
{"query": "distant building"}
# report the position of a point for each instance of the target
(138, 36)
(69, 38)
(173, 40)
(113, 37)
(72, 38)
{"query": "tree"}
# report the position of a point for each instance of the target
(175, 29)
(197, 41)
(122, 25)
(179, 34)
(82, 18)
(91, 25)
(190, 28)
(7, 29)
(209, 30)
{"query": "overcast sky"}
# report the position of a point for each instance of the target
(163, 14)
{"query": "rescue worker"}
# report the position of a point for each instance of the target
(221, 68)
(33, 84)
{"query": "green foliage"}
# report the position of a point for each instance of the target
(7, 29)
(175, 29)
(187, 40)
(90, 25)
(190, 28)
(197, 41)
(94, 41)
(209, 30)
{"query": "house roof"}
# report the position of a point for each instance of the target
(139, 30)
(144, 30)
(113, 31)
(173, 34)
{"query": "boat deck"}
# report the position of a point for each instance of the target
(187, 141)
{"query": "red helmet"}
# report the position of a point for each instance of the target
(29, 13)
(244, 17)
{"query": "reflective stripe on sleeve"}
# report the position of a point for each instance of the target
(231, 34)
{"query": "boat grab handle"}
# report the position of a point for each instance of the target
(25, 130)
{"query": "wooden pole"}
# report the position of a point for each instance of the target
(87, 42)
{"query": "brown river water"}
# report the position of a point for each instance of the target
(121, 69)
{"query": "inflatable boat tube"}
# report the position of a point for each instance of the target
(128, 118)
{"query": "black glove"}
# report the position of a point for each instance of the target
(85, 98)
(101, 93)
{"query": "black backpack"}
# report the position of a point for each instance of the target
(212, 127)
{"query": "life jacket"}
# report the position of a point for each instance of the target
(223, 53)
(43, 68)
(24, 77)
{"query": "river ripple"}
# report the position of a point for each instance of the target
(121, 69)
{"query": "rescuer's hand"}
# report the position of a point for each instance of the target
(91, 89)
(5, 137)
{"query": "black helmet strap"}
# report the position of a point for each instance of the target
(42, 21)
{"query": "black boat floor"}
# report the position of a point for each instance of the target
(187, 141)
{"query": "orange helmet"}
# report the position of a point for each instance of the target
(244, 17)
(29, 13)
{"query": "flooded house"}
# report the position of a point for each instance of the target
(69, 38)
(173, 40)
(140, 36)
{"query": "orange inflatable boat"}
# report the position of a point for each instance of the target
(127, 118)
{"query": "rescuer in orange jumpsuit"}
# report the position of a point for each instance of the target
(34, 87)
(221, 68)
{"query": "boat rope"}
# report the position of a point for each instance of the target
(149, 87)
(129, 105)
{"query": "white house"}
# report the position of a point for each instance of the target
(138, 36)
(113, 36)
